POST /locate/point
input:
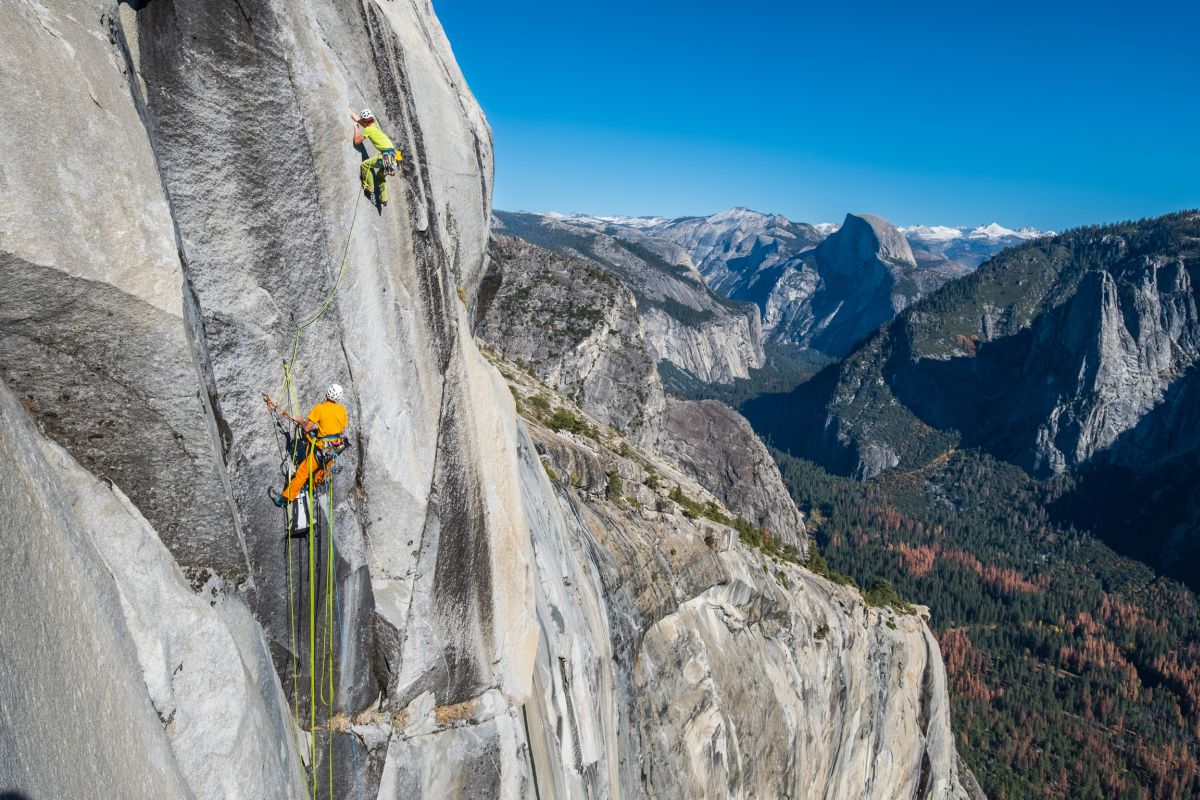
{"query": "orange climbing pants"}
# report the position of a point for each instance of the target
(303, 470)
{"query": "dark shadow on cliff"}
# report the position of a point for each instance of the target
(856, 306)
(756, 290)
(998, 398)
(977, 396)
(1142, 495)
(795, 422)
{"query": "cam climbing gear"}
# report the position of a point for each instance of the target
(387, 161)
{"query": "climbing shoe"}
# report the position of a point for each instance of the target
(275, 496)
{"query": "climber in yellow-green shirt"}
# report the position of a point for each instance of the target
(378, 168)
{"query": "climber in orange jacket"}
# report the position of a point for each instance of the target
(323, 429)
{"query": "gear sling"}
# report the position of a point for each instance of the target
(311, 456)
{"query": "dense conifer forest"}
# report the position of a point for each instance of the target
(1075, 672)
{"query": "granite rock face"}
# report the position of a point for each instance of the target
(119, 678)
(428, 506)
(455, 624)
(675, 661)
(91, 314)
(76, 716)
(144, 344)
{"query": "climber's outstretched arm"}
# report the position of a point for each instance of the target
(358, 137)
(306, 424)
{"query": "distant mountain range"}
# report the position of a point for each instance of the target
(817, 287)
(966, 246)
(1074, 356)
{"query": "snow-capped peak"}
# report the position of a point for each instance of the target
(993, 231)
(742, 215)
(932, 233)
(998, 231)
(942, 234)
(827, 228)
(591, 219)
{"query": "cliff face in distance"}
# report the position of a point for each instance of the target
(578, 326)
(460, 623)
(685, 323)
(1047, 356)
(1067, 356)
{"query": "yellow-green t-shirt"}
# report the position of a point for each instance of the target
(330, 417)
(378, 137)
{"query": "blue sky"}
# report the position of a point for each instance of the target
(1048, 114)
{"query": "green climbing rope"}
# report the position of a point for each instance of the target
(330, 569)
(312, 636)
(288, 390)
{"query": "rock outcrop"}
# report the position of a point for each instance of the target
(675, 661)
(577, 326)
(716, 446)
(454, 624)
(714, 339)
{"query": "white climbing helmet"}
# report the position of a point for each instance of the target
(334, 392)
(366, 114)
